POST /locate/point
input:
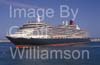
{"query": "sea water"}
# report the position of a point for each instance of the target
(75, 54)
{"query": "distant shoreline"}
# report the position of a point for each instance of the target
(4, 40)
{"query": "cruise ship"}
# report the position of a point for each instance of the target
(40, 33)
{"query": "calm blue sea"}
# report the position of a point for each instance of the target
(93, 48)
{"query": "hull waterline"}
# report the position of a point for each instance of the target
(37, 41)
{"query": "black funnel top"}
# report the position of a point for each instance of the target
(71, 22)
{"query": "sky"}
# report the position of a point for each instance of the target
(88, 15)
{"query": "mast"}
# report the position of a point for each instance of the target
(38, 19)
(41, 29)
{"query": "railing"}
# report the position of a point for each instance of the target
(95, 39)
